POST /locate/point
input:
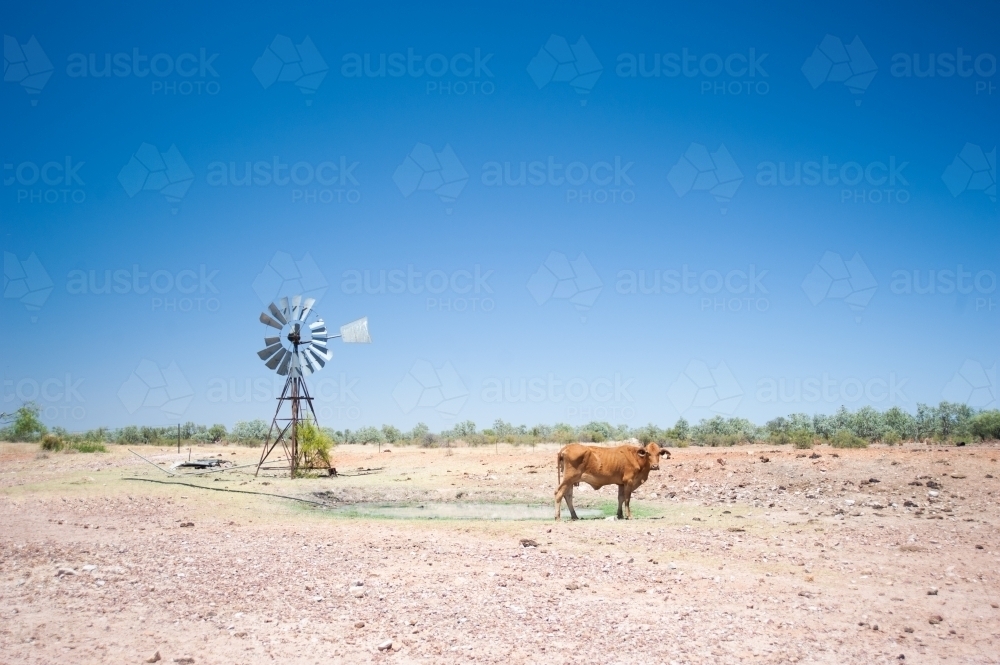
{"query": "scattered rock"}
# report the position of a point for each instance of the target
(765, 459)
(528, 542)
(155, 658)
(815, 456)
(184, 660)
(907, 630)
(359, 624)
(357, 591)
(88, 568)
(385, 646)
(572, 586)
(187, 524)
(933, 591)
(909, 504)
(935, 619)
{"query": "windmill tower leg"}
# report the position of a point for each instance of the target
(294, 463)
(277, 430)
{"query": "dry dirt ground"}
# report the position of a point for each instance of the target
(739, 555)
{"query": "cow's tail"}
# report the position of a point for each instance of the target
(559, 468)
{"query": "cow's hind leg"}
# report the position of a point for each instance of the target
(569, 503)
(565, 491)
(628, 504)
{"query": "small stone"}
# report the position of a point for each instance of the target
(155, 658)
(874, 626)
(907, 630)
(528, 542)
(572, 586)
(933, 591)
(89, 567)
(385, 646)
(359, 624)
(357, 591)
(65, 571)
(187, 524)
(935, 619)
(185, 660)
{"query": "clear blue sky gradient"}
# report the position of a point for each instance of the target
(645, 342)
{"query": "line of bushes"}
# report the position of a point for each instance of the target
(946, 422)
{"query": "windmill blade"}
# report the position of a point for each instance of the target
(284, 307)
(320, 349)
(307, 306)
(303, 362)
(296, 302)
(318, 331)
(267, 320)
(277, 313)
(276, 358)
(356, 332)
(268, 341)
(319, 344)
(269, 351)
(319, 358)
(285, 359)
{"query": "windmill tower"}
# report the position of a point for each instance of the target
(297, 350)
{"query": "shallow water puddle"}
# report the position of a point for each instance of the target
(459, 511)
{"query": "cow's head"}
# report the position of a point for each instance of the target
(653, 452)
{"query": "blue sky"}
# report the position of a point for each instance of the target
(672, 175)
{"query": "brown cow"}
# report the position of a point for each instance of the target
(625, 466)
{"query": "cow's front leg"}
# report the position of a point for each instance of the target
(621, 500)
(628, 503)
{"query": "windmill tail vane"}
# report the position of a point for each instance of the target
(295, 346)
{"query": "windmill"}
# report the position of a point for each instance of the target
(298, 349)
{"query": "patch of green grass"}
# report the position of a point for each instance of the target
(88, 447)
(610, 508)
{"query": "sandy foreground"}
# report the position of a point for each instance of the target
(747, 554)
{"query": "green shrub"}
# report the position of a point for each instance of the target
(315, 446)
(52, 442)
(986, 425)
(802, 439)
(779, 438)
(892, 438)
(844, 439)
